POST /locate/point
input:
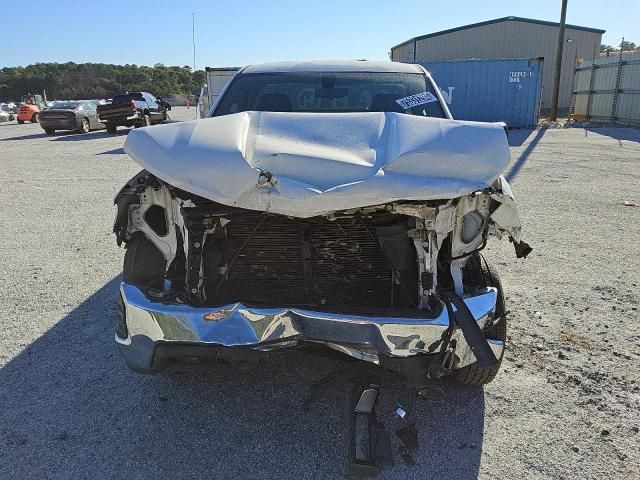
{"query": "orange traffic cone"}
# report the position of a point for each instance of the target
(187, 102)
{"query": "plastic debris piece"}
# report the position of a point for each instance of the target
(400, 411)
(367, 401)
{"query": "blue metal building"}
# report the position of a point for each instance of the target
(509, 37)
(506, 90)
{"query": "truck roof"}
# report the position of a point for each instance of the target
(333, 66)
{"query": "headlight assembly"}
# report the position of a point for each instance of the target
(472, 223)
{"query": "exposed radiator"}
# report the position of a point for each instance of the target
(313, 262)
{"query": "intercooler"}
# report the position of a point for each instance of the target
(276, 260)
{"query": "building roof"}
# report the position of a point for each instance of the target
(333, 66)
(499, 20)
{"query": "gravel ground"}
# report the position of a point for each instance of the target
(565, 404)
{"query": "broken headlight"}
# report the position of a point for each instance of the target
(472, 224)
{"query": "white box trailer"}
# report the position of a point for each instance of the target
(217, 79)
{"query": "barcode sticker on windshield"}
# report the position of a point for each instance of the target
(417, 99)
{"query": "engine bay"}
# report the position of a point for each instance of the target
(400, 256)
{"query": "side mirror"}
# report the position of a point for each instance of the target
(506, 128)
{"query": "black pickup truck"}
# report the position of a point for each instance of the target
(134, 109)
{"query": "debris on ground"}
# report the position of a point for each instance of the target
(400, 411)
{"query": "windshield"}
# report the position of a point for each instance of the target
(410, 93)
(127, 98)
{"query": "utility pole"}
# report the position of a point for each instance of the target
(193, 38)
(556, 79)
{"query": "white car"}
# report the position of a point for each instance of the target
(6, 113)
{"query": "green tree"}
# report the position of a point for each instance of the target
(96, 80)
(627, 46)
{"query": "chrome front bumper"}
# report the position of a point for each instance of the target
(152, 323)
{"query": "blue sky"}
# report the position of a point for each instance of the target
(240, 32)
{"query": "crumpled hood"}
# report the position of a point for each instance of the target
(324, 162)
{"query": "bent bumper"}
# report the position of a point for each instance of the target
(150, 324)
(59, 124)
(120, 118)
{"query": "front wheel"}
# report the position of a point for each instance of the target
(85, 127)
(20, 121)
(479, 274)
(143, 265)
(111, 128)
(49, 131)
(34, 118)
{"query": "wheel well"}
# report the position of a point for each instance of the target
(156, 218)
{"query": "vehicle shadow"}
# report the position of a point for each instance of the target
(524, 155)
(88, 136)
(518, 136)
(32, 136)
(628, 134)
(71, 409)
(115, 151)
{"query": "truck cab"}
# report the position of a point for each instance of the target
(132, 109)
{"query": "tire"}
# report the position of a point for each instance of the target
(145, 122)
(20, 121)
(480, 274)
(143, 264)
(85, 126)
(34, 118)
(111, 128)
(49, 131)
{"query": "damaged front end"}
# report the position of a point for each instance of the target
(400, 284)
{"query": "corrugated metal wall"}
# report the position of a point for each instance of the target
(504, 90)
(608, 92)
(509, 39)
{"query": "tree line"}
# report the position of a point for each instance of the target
(625, 45)
(96, 80)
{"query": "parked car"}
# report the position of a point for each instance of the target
(77, 115)
(12, 107)
(6, 115)
(322, 203)
(135, 109)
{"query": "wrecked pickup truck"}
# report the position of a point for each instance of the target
(334, 204)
